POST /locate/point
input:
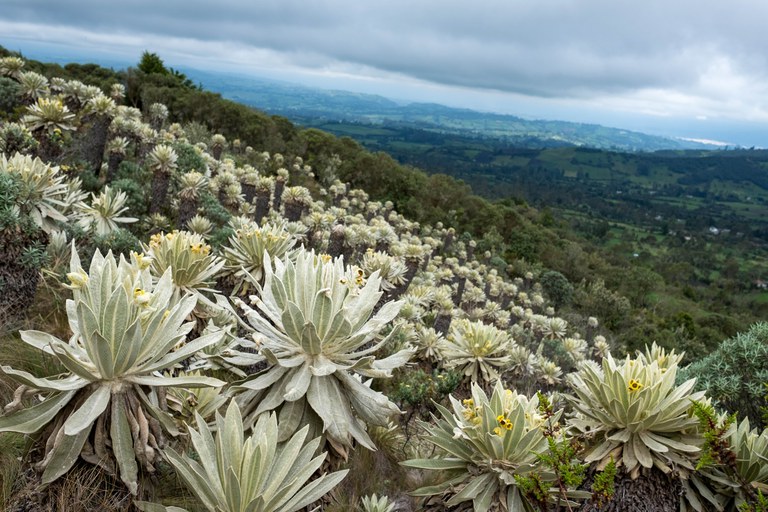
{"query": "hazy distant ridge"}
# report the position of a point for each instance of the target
(311, 105)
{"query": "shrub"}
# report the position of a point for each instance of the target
(735, 374)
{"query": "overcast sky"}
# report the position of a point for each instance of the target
(696, 66)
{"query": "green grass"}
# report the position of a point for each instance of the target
(411, 146)
(355, 130)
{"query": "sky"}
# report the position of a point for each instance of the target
(688, 68)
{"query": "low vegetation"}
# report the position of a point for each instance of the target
(252, 333)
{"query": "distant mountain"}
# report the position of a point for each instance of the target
(314, 107)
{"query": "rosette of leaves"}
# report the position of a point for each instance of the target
(104, 408)
(103, 215)
(33, 86)
(218, 144)
(192, 185)
(200, 225)
(750, 447)
(428, 343)
(235, 473)
(374, 503)
(189, 258)
(476, 349)
(116, 151)
(163, 162)
(16, 138)
(11, 66)
(313, 320)
(185, 402)
(295, 201)
(43, 189)
(484, 442)
(636, 414)
(244, 253)
(47, 115)
(732, 465)
(391, 269)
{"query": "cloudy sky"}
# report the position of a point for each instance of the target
(696, 68)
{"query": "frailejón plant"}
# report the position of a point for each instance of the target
(44, 190)
(636, 414)
(103, 215)
(485, 442)
(234, 473)
(374, 503)
(124, 330)
(314, 325)
(476, 349)
(189, 259)
(244, 253)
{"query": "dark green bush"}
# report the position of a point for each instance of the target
(9, 95)
(416, 391)
(557, 287)
(137, 197)
(735, 374)
(188, 159)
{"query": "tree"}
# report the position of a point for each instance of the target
(152, 63)
(557, 287)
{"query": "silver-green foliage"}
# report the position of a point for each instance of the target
(313, 320)
(722, 487)
(234, 473)
(188, 258)
(244, 253)
(374, 503)
(44, 191)
(751, 449)
(124, 330)
(484, 442)
(636, 414)
(103, 214)
(477, 349)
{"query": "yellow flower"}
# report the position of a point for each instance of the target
(141, 297)
(142, 260)
(501, 419)
(200, 248)
(78, 279)
(155, 239)
(508, 425)
(497, 431)
(634, 385)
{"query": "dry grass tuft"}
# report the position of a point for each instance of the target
(376, 472)
(85, 488)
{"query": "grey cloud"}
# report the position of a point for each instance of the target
(576, 48)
